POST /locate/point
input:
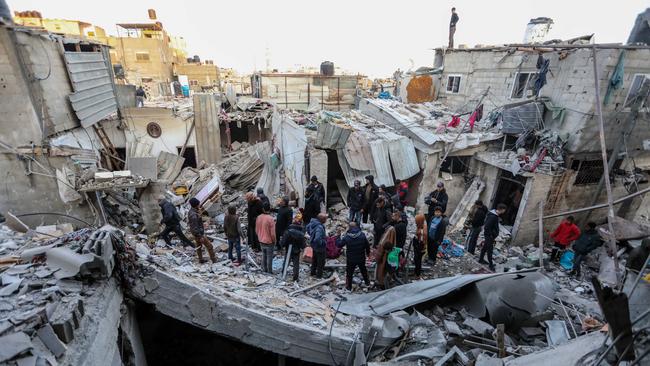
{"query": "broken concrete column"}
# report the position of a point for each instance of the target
(206, 127)
(149, 205)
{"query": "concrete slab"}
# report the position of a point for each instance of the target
(146, 167)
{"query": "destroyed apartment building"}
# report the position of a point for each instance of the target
(86, 280)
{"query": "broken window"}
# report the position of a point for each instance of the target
(524, 81)
(453, 84)
(146, 80)
(455, 165)
(635, 89)
(194, 82)
(590, 171)
(142, 56)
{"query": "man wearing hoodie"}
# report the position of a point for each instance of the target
(283, 218)
(437, 231)
(437, 198)
(490, 232)
(358, 249)
(586, 243)
(563, 235)
(172, 222)
(356, 200)
(317, 241)
(195, 222)
(294, 236)
(479, 212)
(370, 192)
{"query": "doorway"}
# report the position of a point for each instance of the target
(334, 174)
(510, 191)
(189, 155)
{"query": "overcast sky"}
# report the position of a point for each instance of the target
(373, 37)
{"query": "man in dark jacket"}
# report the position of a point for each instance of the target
(172, 222)
(452, 27)
(255, 208)
(399, 224)
(370, 193)
(294, 236)
(382, 192)
(262, 196)
(318, 189)
(283, 218)
(479, 211)
(490, 232)
(195, 222)
(234, 234)
(380, 217)
(356, 201)
(358, 249)
(317, 241)
(585, 244)
(312, 204)
(437, 231)
(437, 198)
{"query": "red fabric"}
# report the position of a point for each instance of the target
(565, 233)
(455, 121)
(472, 120)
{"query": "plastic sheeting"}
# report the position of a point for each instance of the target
(358, 154)
(292, 142)
(403, 158)
(381, 159)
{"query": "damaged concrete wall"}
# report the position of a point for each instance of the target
(206, 119)
(174, 129)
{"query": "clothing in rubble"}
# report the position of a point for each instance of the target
(172, 223)
(358, 248)
(195, 222)
(370, 191)
(294, 236)
(588, 241)
(265, 230)
(318, 242)
(476, 223)
(490, 232)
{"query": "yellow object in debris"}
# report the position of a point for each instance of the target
(181, 190)
(647, 278)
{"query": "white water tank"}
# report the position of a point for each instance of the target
(537, 30)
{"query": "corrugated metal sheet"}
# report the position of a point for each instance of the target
(332, 136)
(93, 98)
(522, 118)
(293, 142)
(357, 152)
(206, 128)
(349, 173)
(403, 158)
(381, 159)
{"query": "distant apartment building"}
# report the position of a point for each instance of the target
(59, 26)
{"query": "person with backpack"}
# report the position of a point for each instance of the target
(293, 241)
(356, 202)
(588, 241)
(436, 234)
(479, 212)
(358, 248)
(317, 241)
(370, 194)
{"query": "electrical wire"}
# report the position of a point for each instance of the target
(55, 214)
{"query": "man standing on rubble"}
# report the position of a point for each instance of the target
(402, 190)
(262, 196)
(380, 217)
(452, 27)
(195, 223)
(437, 198)
(265, 230)
(490, 232)
(358, 248)
(254, 210)
(586, 243)
(317, 241)
(314, 198)
(479, 211)
(563, 235)
(172, 222)
(397, 222)
(283, 218)
(356, 201)
(370, 193)
(294, 237)
(436, 234)
(234, 234)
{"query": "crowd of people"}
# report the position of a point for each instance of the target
(292, 232)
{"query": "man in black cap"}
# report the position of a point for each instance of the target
(172, 222)
(437, 198)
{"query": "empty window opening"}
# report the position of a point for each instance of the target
(510, 191)
(455, 165)
(590, 171)
(453, 84)
(635, 90)
(142, 56)
(189, 155)
(524, 82)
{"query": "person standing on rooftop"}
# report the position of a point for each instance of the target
(452, 27)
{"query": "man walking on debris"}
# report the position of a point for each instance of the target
(294, 237)
(479, 211)
(356, 201)
(172, 222)
(437, 198)
(314, 198)
(254, 210)
(316, 230)
(436, 234)
(233, 232)
(283, 219)
(370, 192)
(586, 243)
(452, 27)
(358, 248)
(195, 223)
(380, 217)
(490, 232)
(265, 229)
(419, 242)
(563, 235)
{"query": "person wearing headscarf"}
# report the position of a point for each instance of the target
(419, 242)
(386, 244)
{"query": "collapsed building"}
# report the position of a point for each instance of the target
(106, 294)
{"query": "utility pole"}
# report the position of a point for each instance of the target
(603, 151)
